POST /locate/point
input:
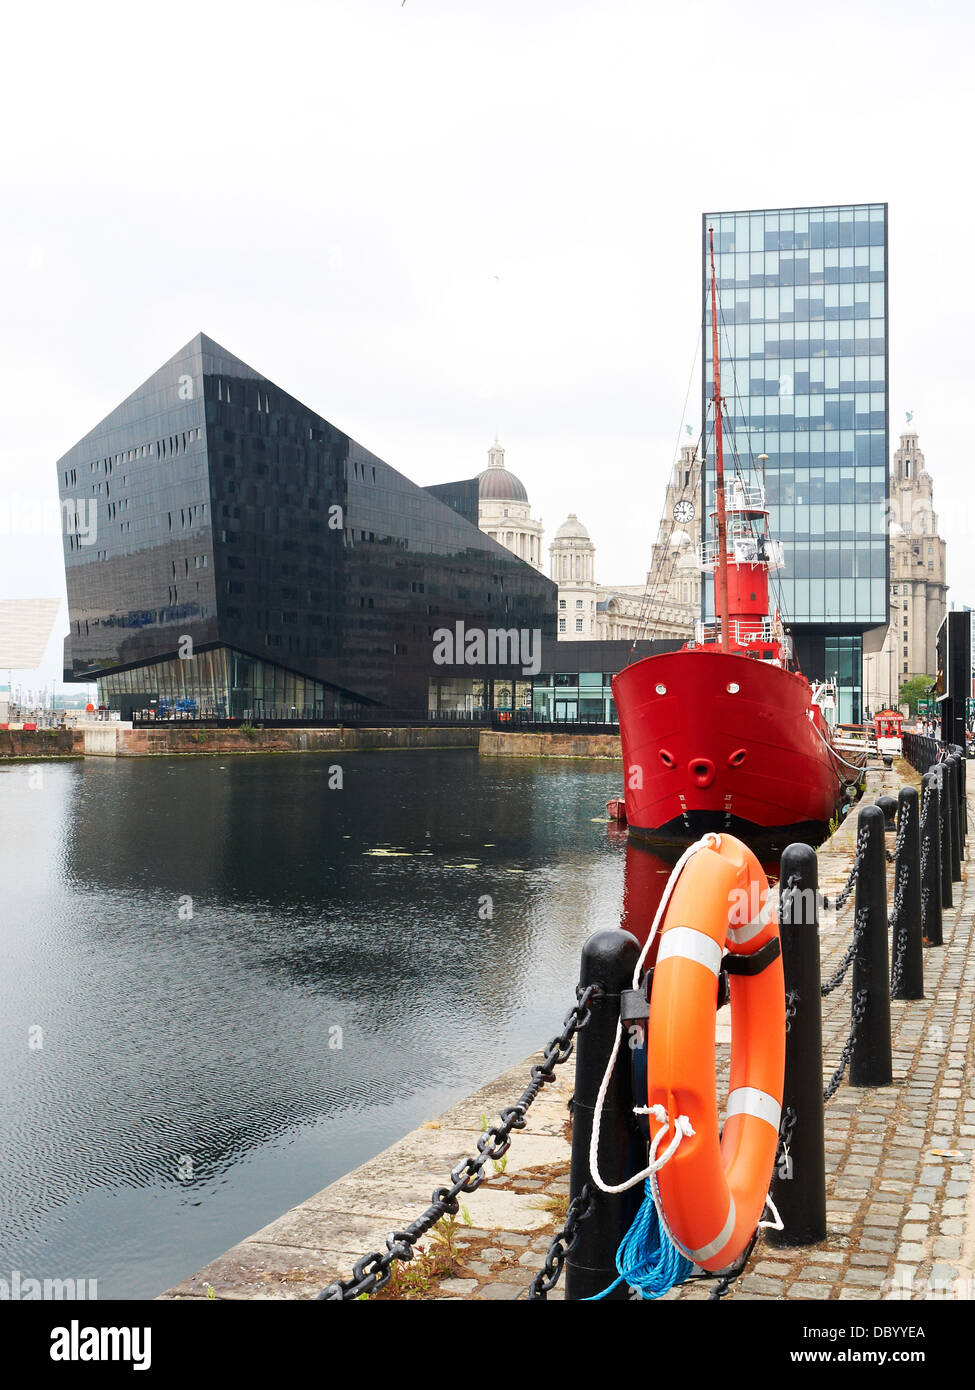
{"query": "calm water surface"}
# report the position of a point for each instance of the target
(182, 1092)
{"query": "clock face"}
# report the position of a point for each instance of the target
(684, 511)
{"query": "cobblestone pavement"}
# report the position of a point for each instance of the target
(900, 1196)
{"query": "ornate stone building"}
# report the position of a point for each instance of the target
(918, 587)
(674, 571)
(667, 605)
(504, 513)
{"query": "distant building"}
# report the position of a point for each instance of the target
(504, 512)
(674, 581)
(918, 586)
(665, 606)
(25, 630)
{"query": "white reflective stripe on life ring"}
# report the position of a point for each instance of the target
(690, 945)
(720, 1240)
(742, 935)
(749, 1100)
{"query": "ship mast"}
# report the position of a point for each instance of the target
(722, 571)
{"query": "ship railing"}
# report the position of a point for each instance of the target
(739, 496)
(746, 633)
(744, 549)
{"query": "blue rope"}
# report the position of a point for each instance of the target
(647, 1259)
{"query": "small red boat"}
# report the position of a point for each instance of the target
(723, 734)
(616, 808)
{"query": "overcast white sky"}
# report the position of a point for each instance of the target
(438, 220)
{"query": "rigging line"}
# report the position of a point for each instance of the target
(651, 590)
(776, 581)
(737, 394)
(650, 593)
(670, 556)
(652, 616)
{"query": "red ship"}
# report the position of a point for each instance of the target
(724, 734)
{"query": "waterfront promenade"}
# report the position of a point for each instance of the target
(900, 1196)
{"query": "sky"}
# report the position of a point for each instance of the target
(438, 221)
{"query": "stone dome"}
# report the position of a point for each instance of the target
(497, 484)
(572, 529)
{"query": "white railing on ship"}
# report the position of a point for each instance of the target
(744, 633)
(739, 497)
(743, 549)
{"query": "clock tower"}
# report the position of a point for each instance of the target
(674, 577)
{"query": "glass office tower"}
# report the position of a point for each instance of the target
(802, 318)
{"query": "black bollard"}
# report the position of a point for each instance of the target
(888, 804)
(931, 859)
(963, 772)
(944, 834)
(608, 958)
(799, 1180)
(957, 846)
(870, 1061)
(907, 968)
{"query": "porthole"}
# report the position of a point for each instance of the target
(661, 690)
(732, 687)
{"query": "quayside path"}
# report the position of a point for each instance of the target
(900, 1194)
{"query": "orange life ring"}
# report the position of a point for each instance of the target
(712, 1191)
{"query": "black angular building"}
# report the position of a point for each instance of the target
(230, 552)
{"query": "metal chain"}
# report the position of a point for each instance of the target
(563, 1243)
(374, 1271)
(900, 841)
(900, 882)
(925, 890)
(899, 949)
(842, 898)
(723, 1287)
(859, 1009)
(791, 1003)
(836, 979)
(789, 1118)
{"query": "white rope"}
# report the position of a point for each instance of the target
(775, 1225)
(682, 1125)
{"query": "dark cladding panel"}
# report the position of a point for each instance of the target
(462, 497)
(138, 546)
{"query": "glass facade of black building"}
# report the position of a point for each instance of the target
(803, 342)
(229, 548)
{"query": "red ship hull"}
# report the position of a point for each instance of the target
(700, 755)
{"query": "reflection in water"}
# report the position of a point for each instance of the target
(189, 934)
(645, 877)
